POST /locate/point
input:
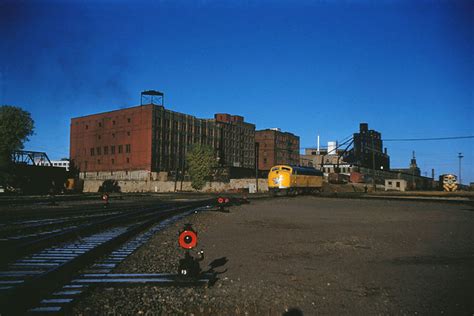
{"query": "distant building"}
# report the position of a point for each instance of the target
(328, 160)
(368, 151)
(236, 147)
(277, 148)
(154, 139)
(395, 185)
(412, 170)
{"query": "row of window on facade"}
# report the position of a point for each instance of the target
(112, 161)
(129, 120)
(113, 135)
(98, 150)
(341, 169)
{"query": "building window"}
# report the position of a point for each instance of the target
(398, 184)
(113, 135)
(87, 126)
(127, 148)
(112, 150)
(129, 120)
(113, 122)
(120, 147)
(389, 182)
(98, 161)
(100, 124)
(98, 151)
(85, 165)
(98, 136)
(128, 160)
(113, 161)
(92, 152)
(106, 150)
(128, 133)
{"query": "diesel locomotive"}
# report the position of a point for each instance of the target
(293, 180)
(448, 182)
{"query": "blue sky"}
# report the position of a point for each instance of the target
(308, 67)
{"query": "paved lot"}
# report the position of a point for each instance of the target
(321, 256)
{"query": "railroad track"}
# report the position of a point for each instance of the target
(32, 228)
(42, 276)
(13, 247)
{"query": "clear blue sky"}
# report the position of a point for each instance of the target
(308, 67)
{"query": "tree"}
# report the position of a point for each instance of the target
(200, 160)
(16, 125)
(73, 169)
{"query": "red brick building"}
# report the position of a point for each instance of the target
(116, 140)
(277, 148)
(152, 138)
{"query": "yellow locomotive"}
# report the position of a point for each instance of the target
(294, 180)
(448, 182)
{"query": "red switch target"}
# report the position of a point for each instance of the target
(188, 239)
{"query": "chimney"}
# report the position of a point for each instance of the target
(317, 152)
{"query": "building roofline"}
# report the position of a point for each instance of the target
(272, 130)
(158, 106)
(118, 110)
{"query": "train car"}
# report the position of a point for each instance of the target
(293, 180)
(448, 182)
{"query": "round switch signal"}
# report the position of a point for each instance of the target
(188, 239)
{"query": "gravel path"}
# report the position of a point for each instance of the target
(319, 256)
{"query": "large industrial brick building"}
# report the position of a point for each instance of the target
(368, 151)
(277, 148)
(152, 138)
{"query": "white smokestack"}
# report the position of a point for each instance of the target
(317, 151)
(332, 146)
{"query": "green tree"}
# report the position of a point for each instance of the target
(16, 125)
(201, 161)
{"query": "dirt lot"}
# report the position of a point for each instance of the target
(317, 255)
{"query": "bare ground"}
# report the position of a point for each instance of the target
(317, 255)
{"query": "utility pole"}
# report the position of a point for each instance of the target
(373, 166)
(257, 146)
(460, 156)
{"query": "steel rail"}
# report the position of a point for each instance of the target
(26, 293)
(14, 251)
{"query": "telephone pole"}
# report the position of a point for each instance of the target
(460, 156)
(373, 166)
(257, 147)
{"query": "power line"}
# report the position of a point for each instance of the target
(423, 139)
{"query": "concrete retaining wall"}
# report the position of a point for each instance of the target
(169, 186)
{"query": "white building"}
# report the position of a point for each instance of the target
(395, 184)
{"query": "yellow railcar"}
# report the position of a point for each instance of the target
(448, 182)
(294, 180)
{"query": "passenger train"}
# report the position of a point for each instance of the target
(293, 180)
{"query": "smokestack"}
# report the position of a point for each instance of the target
(317, 151)
(363, 127)
(432, 173)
